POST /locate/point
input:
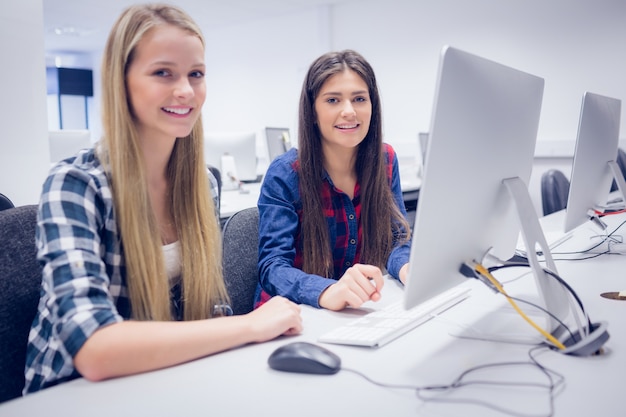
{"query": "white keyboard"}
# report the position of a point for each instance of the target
(380, 327)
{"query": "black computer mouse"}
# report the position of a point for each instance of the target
(304, 357)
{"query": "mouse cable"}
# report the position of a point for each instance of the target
(555, 380)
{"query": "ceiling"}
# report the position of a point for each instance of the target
(83, 25)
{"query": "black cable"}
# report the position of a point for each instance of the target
(554, 378)
(607, 237)
(552, 315)
(560, 281)
(553, 275)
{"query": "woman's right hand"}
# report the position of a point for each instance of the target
(278, 316)
(359, 284)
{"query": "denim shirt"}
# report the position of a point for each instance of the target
(280, 248)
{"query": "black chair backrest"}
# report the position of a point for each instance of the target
(218, 177)
(554, 191)
(240, 245)
(5, 203)
(621, 162)
(20, 284)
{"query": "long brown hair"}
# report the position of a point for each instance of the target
(381, 220)
(191, 204)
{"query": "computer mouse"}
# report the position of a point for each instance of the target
(304, 357)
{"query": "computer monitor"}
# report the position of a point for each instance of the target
(278, 141)
(482, 136)
(423, 143)
(67, 142)
(595, 154)
(480, 154)
(241, 146)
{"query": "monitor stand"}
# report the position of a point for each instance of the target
(552, 295)
(586, 340)
(619, 178)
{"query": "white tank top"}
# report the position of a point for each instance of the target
(171, 254)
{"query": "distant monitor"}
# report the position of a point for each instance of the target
(241, 146)
(278, 141)
(65, 143)
(423, 142)
(594, 166)
(483, 133)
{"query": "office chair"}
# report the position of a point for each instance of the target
(554, 191)
(5, 203)
(20, 283)
(621, 161)
(410, 205)
(240, 245)
(218, 176)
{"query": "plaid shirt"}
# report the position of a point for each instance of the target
(280, 240)
(84, 278)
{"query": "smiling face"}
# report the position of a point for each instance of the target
(165, 82)
(344, 110)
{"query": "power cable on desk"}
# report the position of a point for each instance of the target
(554, 381)
(586, 341)
(610, 239)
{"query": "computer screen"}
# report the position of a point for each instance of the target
(241, 146)
(423, 143)
(278, 141)
(483, 131)
(596, 146)
(67, 142)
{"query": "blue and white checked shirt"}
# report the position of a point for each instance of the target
(84, 278)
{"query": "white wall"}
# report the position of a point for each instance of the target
(576, 46)
(255, 70)
(24, 153)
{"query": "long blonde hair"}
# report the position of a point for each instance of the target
(191, 203)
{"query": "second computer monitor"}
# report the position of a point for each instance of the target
(596, 145)
(278, 141)
(65, 143)
(241, 146)
(483, 130)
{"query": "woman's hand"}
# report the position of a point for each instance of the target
(404, 273)
(278, 316)
(359, 284)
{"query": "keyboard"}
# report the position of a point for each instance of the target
(382, 326)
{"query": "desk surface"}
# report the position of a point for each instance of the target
(239, 382)
(232, 201)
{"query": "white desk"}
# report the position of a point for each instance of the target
(232, 201)
(239, 382)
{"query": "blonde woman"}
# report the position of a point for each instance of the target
(127, 233)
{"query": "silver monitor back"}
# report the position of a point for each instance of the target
(67, 142)
(241, 146)
(278, 141)
(596, 145)
(483, 130)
